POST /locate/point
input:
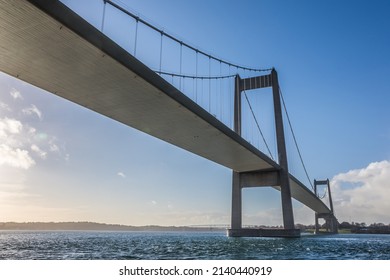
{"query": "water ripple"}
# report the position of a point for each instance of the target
(186, 245)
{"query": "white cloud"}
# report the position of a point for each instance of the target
(11, 126)
(53, 147)
(5, 107)
(32, 130)
(363, 195)
(42, 154)
(10, 131)
(16, 94)
(121, 174)
(15, 157)
(33, 110)
(11, 154)
(16, 139)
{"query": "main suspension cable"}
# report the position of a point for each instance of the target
(163, 33)
(257, 124)
(194, 77)
(325, 193)
(295, 140)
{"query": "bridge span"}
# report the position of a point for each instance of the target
(46, 44)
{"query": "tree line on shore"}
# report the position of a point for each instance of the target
(364, 228)
(92, 226)
(353, 227)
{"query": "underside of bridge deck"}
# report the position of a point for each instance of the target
(48, 45)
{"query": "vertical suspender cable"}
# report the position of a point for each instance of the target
(196, 74)
(252, 123)
(161, 47)
(135, 37)
(104, 15)
(220, 90)
(181, 61)
(193, 88)
(127, 12)
(231, 122)
(258, 105)
(210, 84)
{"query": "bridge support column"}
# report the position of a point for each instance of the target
(236, 218)
(316, 224)
(260, 178)
(331, 223)
(288, 215)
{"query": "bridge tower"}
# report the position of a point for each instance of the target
(261, 178)
(331, 222)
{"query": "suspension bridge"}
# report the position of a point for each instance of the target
(184, 96)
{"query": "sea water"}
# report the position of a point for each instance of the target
(92, 245)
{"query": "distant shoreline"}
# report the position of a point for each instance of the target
(91, 226)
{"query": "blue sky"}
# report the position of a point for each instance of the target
(61, 162)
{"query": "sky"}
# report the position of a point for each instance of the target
(63, 162)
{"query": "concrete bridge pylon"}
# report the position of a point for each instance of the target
(260, 178)
(331, 223)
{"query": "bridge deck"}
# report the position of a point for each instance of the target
(51, 47)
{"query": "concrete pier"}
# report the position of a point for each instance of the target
(264, 232)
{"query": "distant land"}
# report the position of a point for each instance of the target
(344, 227)
(98, 227)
